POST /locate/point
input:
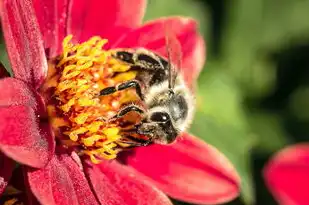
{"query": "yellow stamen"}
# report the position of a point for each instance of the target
(111, 132)
(89, 141)
(77, 110)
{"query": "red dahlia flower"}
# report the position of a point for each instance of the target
(287, 175)
(46, 64)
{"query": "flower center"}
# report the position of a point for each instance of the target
(78, 114)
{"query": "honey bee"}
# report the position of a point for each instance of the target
(169, 103)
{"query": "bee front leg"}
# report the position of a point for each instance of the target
(122, 86)
(127, 109)
(136, 142)
(130, 137)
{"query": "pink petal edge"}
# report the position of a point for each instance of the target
(61, 182)
(189, 170)
(286, 175)
(23, 41)
(117, 184)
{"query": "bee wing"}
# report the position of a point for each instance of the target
(174, 55)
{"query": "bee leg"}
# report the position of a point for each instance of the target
(125, 85)
(135, 142)
(127, 109)
(142, 58)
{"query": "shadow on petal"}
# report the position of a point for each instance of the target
(19, 189)
(6, 169)
(3, 72)
(189, 170)
(287, 175)
(117, 184)
(22, 139)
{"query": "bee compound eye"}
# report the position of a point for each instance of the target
(160, 117)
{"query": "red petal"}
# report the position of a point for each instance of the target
(23, 41)
(99, 17)
(15, 92)
(189, 170)
(6, 169)
(22, 139)
(118, 184)
(287, 175)
(152, 36)
(52, 18)
(61, 182)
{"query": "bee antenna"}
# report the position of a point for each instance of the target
(169, 67)
(172, 43)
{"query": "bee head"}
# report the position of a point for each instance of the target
(167, 116)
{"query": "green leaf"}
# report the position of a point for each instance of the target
(299, 103)
(219, 97)
(256, 29)
(268, 129)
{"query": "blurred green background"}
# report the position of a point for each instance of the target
(253, 94)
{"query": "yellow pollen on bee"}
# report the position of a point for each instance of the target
(78, 75)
